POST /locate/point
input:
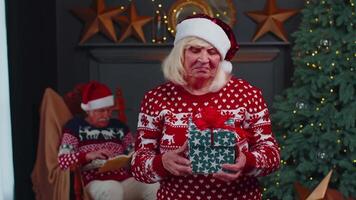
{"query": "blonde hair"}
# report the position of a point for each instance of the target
(173, 69)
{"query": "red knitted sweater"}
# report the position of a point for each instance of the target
(80, 138)
(162, 127)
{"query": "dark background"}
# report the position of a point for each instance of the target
(43, 39)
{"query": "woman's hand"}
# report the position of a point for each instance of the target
(235, 169)
(175, 163)
(101, 154)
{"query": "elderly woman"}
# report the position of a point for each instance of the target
(199, 76)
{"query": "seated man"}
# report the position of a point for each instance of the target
(88, 141)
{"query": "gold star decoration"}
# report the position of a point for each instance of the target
(132, 24)
(97, 19)
(271, 20)
(321, 192)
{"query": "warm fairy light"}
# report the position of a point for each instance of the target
(159, 5)
(337, 52)
(294, 111)
(301, 126)
(316, 19)
(310, 30)
(331, 77)
(217, 15)
(331, 90)
(157, 11)
(333, 64)
(345, 150)
(320, 124)
(164, 38)
(338, 141)
(311, 178)
(354, 161)
(312, 124)
(165, 17)
(153, 40)
(122, 7)
(317, 108)
(194, 13)
(174, 10)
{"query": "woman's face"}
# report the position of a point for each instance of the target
(201, 62)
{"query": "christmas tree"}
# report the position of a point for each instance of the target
(314, 119)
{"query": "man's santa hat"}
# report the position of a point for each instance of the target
(212, 30)
(96, 95)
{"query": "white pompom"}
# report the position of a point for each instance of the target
(226, 66)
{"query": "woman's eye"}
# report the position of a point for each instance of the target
(212, 51)
(194, 49)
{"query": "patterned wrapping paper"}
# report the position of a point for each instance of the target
(211, 147)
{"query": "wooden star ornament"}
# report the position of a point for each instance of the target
(97, 19)
(271, 20)
(132, 24)
(321, 192)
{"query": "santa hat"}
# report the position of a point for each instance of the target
(96, 95)
(212, 30)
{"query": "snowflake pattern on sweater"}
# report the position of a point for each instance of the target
(80, 138)
(162, 126)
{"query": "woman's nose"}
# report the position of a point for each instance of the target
(203, 57)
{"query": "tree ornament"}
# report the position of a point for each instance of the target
(321, 155)
(300, 105)
(132, 24)
(97, 19)
(271, 20)
(325, 43)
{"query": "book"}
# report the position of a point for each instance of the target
(116, 162)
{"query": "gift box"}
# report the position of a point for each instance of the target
(212, 140)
